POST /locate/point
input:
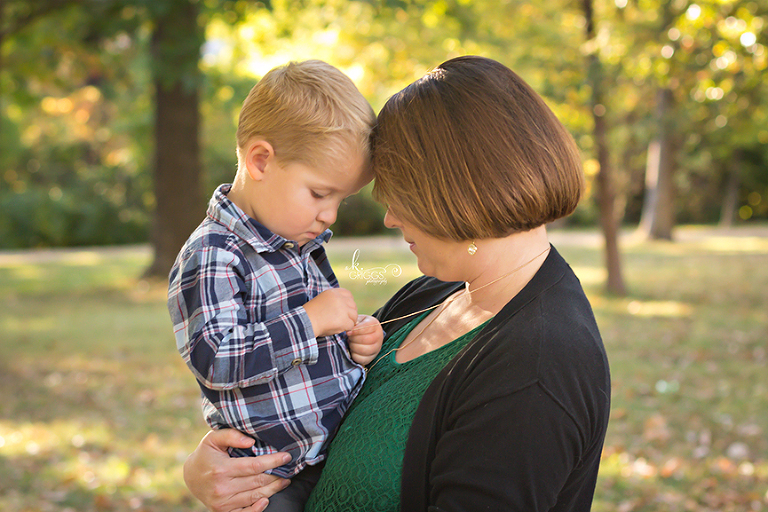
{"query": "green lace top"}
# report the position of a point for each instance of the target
(364, 464)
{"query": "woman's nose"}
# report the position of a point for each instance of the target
(390, 220)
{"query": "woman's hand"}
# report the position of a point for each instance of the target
(226, 484)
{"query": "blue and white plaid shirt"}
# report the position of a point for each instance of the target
(236, 297)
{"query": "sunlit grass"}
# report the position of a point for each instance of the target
(99, 412)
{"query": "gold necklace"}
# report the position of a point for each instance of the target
(442, 307)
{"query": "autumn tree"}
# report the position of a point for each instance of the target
(177, 34)
(176, 41)
(699, 65)
(605, 179)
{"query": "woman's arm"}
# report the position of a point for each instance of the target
(515, 453)
(225, 484)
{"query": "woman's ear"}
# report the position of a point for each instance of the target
(257, 155)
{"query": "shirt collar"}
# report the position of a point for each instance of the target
(225, 212)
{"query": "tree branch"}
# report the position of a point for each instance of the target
(42, 9)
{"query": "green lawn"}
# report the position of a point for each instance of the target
(98, 411)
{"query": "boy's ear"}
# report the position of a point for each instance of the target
(257, 154)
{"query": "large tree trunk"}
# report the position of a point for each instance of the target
(658, 216)
(2, 33)
(605, 186)
(731, 197)
(177, 166)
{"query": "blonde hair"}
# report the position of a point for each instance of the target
(310, 112)
(471, 151)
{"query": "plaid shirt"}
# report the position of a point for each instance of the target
(236, 297)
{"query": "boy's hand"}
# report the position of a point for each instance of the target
(331, 312)
(365, 339)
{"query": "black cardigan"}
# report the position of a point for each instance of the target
(517, 420)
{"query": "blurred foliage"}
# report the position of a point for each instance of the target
(360, 215)
(76, 108)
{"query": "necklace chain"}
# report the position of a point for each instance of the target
(444, 305)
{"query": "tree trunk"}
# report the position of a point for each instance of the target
(605, 186)
(731, 197)
(177, 165)
(658, 217)
(2, 26)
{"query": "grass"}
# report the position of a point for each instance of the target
(98, 411)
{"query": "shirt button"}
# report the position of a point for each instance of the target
(289, 245)
(296, 362)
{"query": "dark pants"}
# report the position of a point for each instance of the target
(295, 496)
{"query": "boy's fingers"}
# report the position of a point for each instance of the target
(367, 319)
(368, 350)
(359, 331)
(365, 325)
(351, 319)
(360, 328)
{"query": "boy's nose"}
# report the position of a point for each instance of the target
(327, 216)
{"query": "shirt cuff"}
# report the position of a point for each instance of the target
(293, 339)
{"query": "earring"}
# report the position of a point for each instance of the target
(472, 249)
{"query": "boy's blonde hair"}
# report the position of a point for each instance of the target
(310, 112)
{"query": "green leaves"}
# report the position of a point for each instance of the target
(712, 54)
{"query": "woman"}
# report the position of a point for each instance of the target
(492, 391)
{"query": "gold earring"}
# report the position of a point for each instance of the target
(472, 249)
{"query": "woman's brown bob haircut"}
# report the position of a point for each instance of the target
(470, 151)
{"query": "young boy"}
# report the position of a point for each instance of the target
(257, 311)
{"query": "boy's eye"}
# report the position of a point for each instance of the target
(317, 195)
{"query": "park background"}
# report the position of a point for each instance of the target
(117, 120)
